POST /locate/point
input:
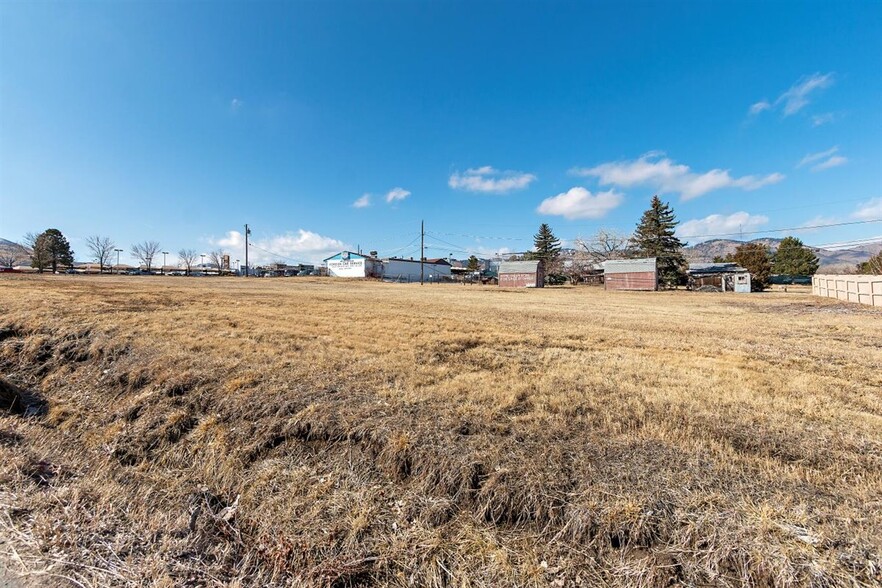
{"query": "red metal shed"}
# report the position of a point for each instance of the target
(521, 274)
(631, 274)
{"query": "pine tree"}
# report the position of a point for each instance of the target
(655, 237)
(794, 259)
(51, 248)
(871, 266)
(755, 258)
(547, 246)
(474, 264)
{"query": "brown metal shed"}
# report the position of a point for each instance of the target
(631, 274)
(522, 274)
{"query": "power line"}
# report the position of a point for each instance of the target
(481, 236)
(734, 234)
(851, 243)
(392, 251)
(804, 228)
(445, 242)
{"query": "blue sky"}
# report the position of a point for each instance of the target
(337, 124)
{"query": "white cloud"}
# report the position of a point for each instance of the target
(813, 157)
(666, 176)
(292, 247)
(236, 104)
(871, 209)
(797, 96)
(490, 180)
(822, 119)
(760, 106)
(396, 194)
(702, 229)
(231, 241)
(362, 202)
(830, 160)
(580, 203)
(834, 161)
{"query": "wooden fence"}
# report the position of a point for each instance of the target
(858, 288)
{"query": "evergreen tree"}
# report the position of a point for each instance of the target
(474, 265)
(755, 258)
(655, 237)
(794, 259)
(547, 246)
(51, 249)
(872, 265)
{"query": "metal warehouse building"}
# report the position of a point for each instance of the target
(521, 274)
(630, 274)
(408, 270)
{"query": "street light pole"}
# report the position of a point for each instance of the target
(117, 260)
(202, 255)
(164, 253)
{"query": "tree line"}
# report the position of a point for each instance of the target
(655, 236)
(51, 251)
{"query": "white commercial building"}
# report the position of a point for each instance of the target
(348, 264)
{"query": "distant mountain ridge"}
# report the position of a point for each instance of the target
(12, 250)
(830, 259)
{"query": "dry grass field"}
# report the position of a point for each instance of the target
(311, 432)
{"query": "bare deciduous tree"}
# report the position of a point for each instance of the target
(604, 245)
(145, 252)
(102, 249)
(39, 255)
(13, 254)
(188, 258)
(591, 252)
(219, 259)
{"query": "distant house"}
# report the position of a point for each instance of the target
(521, 274)
(631, 274)
(718, 277)
(408, 270)
(349, 264)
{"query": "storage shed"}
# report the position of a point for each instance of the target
(718, 277)
(630, 274)
(522, 274)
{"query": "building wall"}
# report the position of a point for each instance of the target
(520, 280)
(348, 268)
(859, 288)
(631, 281)
(409, 271)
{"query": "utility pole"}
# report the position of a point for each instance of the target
(164, 253)
(422, 248)
(247, 232)
(117, 260)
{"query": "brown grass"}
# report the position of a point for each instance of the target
(229, 432)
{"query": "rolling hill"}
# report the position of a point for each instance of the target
(13, 254)
(831, 259)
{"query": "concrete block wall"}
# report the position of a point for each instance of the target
(858, 288)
